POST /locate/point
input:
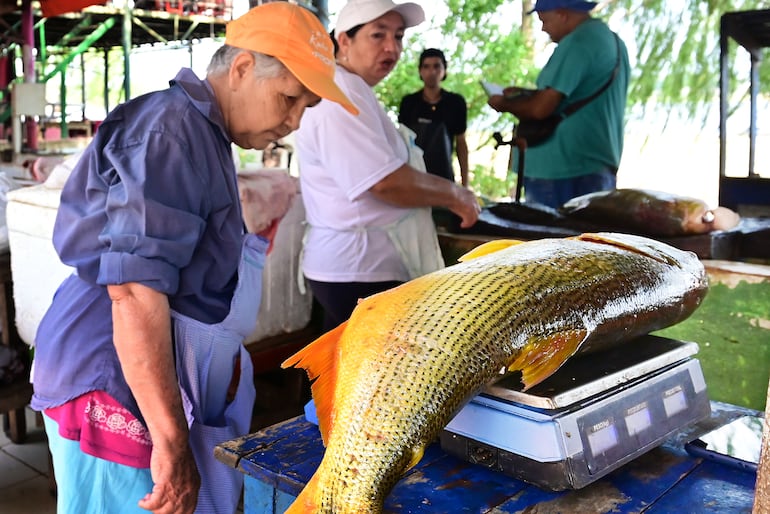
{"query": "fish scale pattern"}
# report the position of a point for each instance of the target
(412, 356)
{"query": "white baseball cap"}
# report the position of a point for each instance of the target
(358, 12)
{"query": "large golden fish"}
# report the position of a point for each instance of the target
(390, 378)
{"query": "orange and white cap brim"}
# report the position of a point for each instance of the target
(294, 36)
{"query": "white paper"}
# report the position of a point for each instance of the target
(491, 88)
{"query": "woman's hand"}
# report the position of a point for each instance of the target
(407, 187)
(176, 480)
(467, 206)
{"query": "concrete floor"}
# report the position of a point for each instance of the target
(24, 473)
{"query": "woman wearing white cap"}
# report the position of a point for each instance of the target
(367, 202)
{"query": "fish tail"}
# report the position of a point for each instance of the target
(319, 359)
(306, 501)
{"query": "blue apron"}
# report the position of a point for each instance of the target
(206, 356)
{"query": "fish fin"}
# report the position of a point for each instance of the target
(487, 248)
(542, 356)
(319, 359)
(417, 453)
(305, 502)
(617, 241)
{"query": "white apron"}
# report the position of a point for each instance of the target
(414, 235)
(205, 358)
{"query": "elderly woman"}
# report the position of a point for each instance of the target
(367, 201)
(139, 365)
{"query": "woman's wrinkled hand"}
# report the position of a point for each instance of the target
(176, 480)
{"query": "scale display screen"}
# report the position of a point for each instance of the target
(638, 419)
(602, 437)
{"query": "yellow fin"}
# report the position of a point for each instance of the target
(417, 453)
(542, 356)
(490, 247)
(319, 359)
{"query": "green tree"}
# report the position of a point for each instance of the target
(677, 56)
(674, 53)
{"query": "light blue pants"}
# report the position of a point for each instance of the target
(89, 485)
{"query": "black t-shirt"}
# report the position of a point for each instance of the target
(435, 126)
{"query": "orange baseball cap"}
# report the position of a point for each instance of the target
(294, 36)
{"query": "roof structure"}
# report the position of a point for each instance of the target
(76, 26)
(164, 24)
(750, 29)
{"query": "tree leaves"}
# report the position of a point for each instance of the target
(674, 48)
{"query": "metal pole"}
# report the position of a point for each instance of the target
(83, 86)
(65, 130)
(128, 15)
(322, 11)
(106, 80)
(754, 91)
(28, 64)
(723, 87)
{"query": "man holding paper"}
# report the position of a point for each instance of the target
(588, 67)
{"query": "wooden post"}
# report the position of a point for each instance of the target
(762, 489)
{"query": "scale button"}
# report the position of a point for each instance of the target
(674, 400)
(638, 418)
(602, 436)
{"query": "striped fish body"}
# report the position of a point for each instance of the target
(387, 381)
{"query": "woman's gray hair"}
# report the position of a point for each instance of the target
(266, 67)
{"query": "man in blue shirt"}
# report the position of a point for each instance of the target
(584, 152)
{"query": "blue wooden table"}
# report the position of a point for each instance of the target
(279, 460)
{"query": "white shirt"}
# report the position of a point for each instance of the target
(341, 157)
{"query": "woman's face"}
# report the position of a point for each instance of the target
(375, 49)
(263, 110)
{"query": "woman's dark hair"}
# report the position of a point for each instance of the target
(350, 33)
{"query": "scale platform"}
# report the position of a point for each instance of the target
(597, 412)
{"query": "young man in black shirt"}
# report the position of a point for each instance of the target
(438, 117)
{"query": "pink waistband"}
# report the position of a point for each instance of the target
(104, 428)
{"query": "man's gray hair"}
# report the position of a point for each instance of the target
(267, 67)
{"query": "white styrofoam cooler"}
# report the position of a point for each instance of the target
(35, 266)
(37, 270)
(283, 307)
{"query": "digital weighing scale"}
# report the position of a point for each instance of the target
(597, 412)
